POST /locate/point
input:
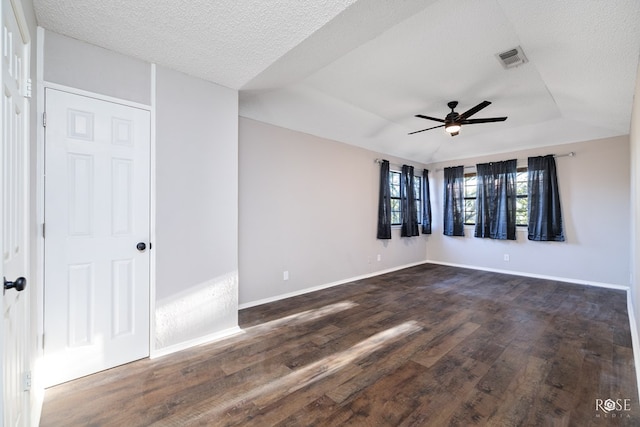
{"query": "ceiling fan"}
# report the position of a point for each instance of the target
(454, 121)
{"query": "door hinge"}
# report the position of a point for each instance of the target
(27, 89)
(26, 381)
(43, 230)
(44, 119)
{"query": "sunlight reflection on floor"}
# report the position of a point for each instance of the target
(303, 316)
(279, 388)
(293, 319)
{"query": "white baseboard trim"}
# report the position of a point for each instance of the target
(326, 285)
(635, 342)
(216, 336)
(535, 276)
(236, 330)
(634, 338)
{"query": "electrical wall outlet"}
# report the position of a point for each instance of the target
(506, 257)
(285, 275)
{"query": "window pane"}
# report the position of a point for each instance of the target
(521, 181)
(395, 178)
(417, 187)
(395, 211)
(470, 191)
(394, 183)
(470, 217)
(470, 185)
(522, 215)
(521, 188)
(521, 211)
(469, 211)
(395, 218)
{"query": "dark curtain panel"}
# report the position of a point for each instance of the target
(545, 216)
(454, 201)
(384, 203)
(426, 203)
(408, 209)
(496, 200)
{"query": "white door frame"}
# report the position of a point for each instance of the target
(40, 197)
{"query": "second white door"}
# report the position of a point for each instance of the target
(96, 235)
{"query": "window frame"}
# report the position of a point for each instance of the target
(417, 197)
(522, 195)
(470, 199)
(417, 189)
(395, 212)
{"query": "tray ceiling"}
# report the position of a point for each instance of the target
(357, 71)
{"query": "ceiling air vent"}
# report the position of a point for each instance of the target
(512, 58)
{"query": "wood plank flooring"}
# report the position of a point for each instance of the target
(426, 346)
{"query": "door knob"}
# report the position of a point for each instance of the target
(141, 246)
(19, 284)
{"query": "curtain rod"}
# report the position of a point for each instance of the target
(378, 161)
(570, 154)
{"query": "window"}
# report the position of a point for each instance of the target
(453, 206)
(470, 190)
(394, 186)
(522, 201)
(417, 190)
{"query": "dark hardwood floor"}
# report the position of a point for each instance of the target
(426, 346)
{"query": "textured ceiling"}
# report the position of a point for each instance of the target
(357, 71)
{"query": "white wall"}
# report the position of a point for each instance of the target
(196, 168)
(594, 193)
(197, 208)
(85, 66)
(309, 206)
(635, 202)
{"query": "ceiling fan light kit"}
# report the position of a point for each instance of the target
(454, 121)
(452, 128)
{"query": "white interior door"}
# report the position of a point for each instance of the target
(14, 213)
(96, 235)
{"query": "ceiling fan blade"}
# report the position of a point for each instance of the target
(418, 131)
(430, 118)
(487, 120)
(474, 110)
